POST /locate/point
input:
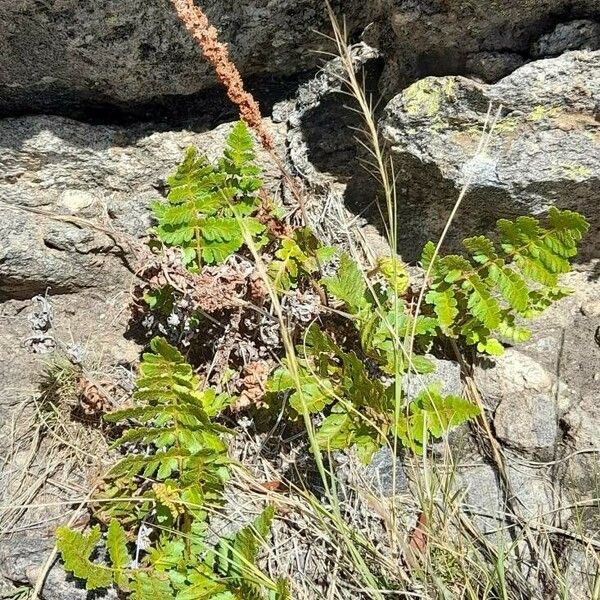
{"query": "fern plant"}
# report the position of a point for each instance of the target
(486, 294)
(206, 202)
(469, 299)
(360, 409)
(177, 567)
(175, 474)
(351, 380)
(185, 460)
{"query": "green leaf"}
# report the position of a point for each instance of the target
(116, 544)
(220, 229)
(313, 396)
(541, 300)
(445, 306)
(326, 254)
(205, 202)
(240, 145)
(422, 365)
(237, 557)
(348, 285)
(481, 304)
(395, 273)
(444, 413)
(570, 221)
(160, 346)
(536, 271)
(284, 271)
(481, 249)
(427, 256)
(509, 330)
(145, 586)
(512, 287)
(491, 346)
(432, 413)
(335, 433)
(76, 549)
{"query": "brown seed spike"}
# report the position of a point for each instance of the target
(217, 54)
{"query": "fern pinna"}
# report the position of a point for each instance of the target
(208, 204)
(172, 476)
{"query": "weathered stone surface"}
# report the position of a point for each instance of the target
(378, 477)
(22, 560)
(528, 423)
(532, 494)
(522, 394)
(98, 173)
(581, 572)
(492, 66)
(447, 374)
(107, 52)
(574, 35)
(545, 149)
(131, 55)
(439, 37)
(542, 393)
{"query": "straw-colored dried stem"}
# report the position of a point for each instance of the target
(217, 54)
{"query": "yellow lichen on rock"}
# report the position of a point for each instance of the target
(425, 96)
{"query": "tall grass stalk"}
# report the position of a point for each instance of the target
(327, 477)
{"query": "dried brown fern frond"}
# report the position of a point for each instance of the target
(217, 54)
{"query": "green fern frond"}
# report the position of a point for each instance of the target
(494, 289)
(348, 285)
(481, 249)
(146, 586)
(199, 216)
(432, 414)
(445, 306)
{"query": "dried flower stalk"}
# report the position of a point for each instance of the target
(217, 54)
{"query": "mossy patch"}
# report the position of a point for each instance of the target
(503, 127)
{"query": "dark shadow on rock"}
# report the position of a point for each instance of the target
(202, 111)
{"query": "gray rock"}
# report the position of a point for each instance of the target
(574, 35)
(492, 66)
(544, 150)
(108, 52)
(22, 560)
(379, 474)
(136, 55)
(438, 37)
(582, 422)
(447, 374)
(528, 423)
(523, 395)
(532, 495)
(581, 572)
(107, 175)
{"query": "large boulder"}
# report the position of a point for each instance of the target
(56, 55)
(58, 175)
(442, 37)
(544, 149)
(135, 55)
